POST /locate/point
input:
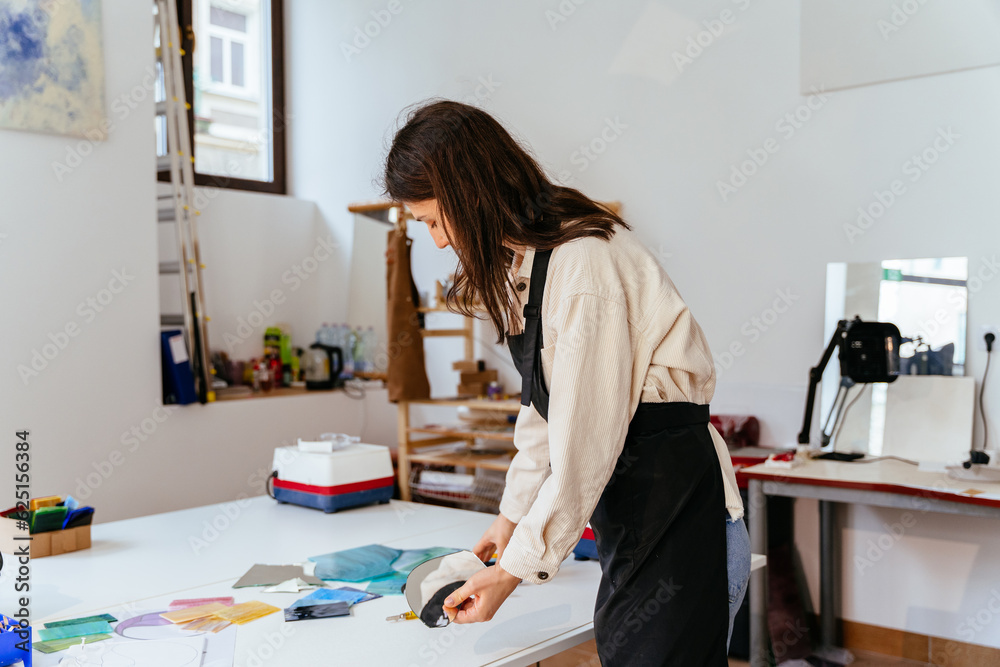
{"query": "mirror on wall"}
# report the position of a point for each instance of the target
(927, 412)
(367, 282)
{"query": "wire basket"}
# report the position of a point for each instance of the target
(483, 495)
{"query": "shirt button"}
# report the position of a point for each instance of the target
(543, 575)
(521, 287)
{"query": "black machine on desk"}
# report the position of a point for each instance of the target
(869, 353)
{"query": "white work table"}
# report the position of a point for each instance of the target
(145, 563)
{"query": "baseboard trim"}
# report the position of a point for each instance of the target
(895, 643)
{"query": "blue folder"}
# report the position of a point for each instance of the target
(178, 380)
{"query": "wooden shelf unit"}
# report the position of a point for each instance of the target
(462, 433)
(430, 451)
(464, 459)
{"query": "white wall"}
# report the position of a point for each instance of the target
(557, 83)
(268, 259)
(62, 241)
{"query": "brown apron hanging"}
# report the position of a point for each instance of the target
(407, 374)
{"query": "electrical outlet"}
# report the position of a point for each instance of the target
(981, 340)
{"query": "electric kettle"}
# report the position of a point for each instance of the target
(322, 365)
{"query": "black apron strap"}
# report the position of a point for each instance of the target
(531, 349)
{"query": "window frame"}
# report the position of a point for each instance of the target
(279, 185)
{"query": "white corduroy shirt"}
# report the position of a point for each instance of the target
(615, 333)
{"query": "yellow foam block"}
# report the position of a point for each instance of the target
(246, 612)
(47, 501)
(191, 613)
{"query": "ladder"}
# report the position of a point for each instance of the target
(178, 207)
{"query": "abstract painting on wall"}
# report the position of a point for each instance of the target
(52, 67)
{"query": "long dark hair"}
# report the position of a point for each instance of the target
(492, 192)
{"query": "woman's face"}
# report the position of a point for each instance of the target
(427, 212)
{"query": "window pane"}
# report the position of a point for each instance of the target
(217, 59)
(237, 64)
(227, 19)
(232, 101)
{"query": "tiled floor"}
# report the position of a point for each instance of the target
(866, 659)
(861, 659)
(585, 655)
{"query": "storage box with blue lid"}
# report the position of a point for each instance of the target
(333, 473)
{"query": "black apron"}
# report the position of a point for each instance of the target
(659, 524)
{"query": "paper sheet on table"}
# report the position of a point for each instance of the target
(141, 626)
(176, 652)
(291, 586)
(271, 575)
(358, 564)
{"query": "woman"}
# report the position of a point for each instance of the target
(616, 376)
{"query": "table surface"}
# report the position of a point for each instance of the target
(146, 562)
(888, 475)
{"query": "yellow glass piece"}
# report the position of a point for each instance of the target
(246, 612)
(191, 613)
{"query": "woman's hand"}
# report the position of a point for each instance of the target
(495, 538)
(478, 600)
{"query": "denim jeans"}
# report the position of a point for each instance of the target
(737, 565)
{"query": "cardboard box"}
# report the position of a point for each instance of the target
(472, 390)
(51, 543)
(469, 366)
(57, 542)
(482, 377)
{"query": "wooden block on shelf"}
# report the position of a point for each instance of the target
(481, 377)
(472, 389)
(469, 366)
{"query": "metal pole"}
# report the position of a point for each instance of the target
(827, 566)
(757, 515)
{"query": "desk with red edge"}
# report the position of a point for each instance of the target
(883, 483)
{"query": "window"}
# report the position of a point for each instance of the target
(230, 35)
(234, 76)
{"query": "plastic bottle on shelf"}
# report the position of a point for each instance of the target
(349, 342)
(321, 333)
(371, 342)
(360, 351)
(338, 337)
